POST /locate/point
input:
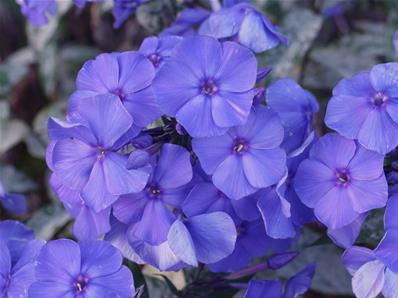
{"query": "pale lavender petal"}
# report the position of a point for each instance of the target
(390, 288)
(368, 281)
(384, 77)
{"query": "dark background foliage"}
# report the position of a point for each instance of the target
(38, 67)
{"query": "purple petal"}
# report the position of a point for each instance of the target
(366, 164)
(384, 77)
(236, 261)
(334, 209)
(277, 223)
(196, 117)
(346, 236)
(50, 289)
(95, 193)
(246, 208)
(181, 243)
(264, 167)
(142, 106)
(73, 161)
(5, 262)
(90, 224)
(231, 108)
(263, 129)
(118, 284)
(390, 215)
(379, 132)
(69, 197)
(107, 118)
(118, 179)
(174, 167)
(386, 250)
(312, 181)
(358, 85)
(368, 195)
(212, 151)
(368, 281)
(299, 283)
(137, 159)
(155, 214)
(99, 258)
(356, 256)
(200, 198)
(136, 72)
(58, 262)
(100, 75)
(58, 130)
(238, 70)
(174, 85)
(213, 235)
(333, 150)
(230, 178)
(129, 208)
(264, 288)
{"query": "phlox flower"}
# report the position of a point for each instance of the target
(187, 22)
(122, 9)
(13, 203)
(341, 180)
(38, 11)
(159, 49)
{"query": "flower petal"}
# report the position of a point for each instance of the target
(312, 181)
(212, 151)
(368, 281)
(230, 178)
(386, 250)
(213, 235)
(366, 164)
(181, 243)
(356, 256)
(90, 224)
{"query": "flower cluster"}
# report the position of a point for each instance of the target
(178, 155)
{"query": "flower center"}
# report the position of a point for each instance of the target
(154, 191)
(81, 283)
(379, 99)
(209, 87)
(155, 58)
(119, 92)
(342, 176)
(240, 146)
(101, 153)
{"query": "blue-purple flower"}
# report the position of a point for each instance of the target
(243, 23)
(341, 180)
(122, 9)
(127, 75)
(38, 11)
(13, 203)
(295, 285)
(296, 108)
(370, 275)
(18, 252)
(187, 22)
(158, 50)
(207, 85)
(167, 186)
(365, 107)
(84, 154)
(246, 158)
(91, 268)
